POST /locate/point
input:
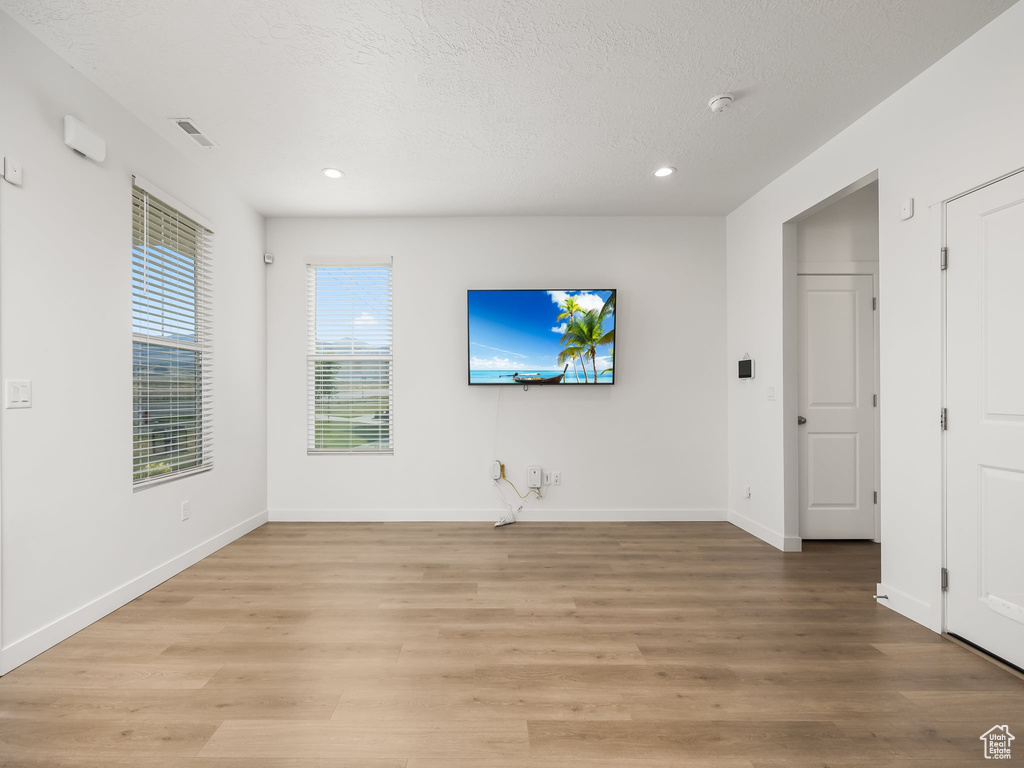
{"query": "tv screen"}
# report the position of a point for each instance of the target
(542, 337)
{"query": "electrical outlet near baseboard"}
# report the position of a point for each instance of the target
(184, 511)
(556, 477)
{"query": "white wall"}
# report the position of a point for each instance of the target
(650, 447)
(845, 231)
(77, 542)
(953, 127)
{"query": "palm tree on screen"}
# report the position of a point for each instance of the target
(588, 333)
(569, 309)
(571, 353)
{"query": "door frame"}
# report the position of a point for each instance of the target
(790, 375)
(859, 268)
(939, 225)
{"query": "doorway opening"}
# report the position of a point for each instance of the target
(832, 424)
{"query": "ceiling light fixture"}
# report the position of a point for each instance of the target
(332, 173)
(666, 171)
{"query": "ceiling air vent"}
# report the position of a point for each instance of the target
(189, 126)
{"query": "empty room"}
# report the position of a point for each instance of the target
(511, 384)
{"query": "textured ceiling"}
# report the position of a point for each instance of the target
(501, 106)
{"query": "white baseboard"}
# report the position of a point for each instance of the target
(911, 607)
(767, 535)
(534, 514)
(20, 651)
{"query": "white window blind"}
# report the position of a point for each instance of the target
(349, 359)
(172, 345)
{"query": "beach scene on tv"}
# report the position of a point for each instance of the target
(542, 337)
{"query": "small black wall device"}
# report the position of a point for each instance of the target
(746, 369)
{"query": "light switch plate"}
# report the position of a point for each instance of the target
(18, 393)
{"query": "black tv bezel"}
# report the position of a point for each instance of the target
(469, 380)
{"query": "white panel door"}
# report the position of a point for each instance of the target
(837, 374)
(985, 402)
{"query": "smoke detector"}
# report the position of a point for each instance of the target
(188, 125)
(720, 102)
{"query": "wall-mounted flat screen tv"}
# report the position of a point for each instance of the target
(542, 337)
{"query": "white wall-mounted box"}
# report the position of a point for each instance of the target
(84, 140)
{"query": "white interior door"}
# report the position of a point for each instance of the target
(837, 375)
(985, 402)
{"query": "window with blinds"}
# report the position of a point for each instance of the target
(172, 365)
(349, 360)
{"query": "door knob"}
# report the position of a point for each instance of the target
(801, 420)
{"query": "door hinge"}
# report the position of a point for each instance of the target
(876, 497)
(945, 580)
(944, 419)
(874, 401)
(943, 257)
(874, 302)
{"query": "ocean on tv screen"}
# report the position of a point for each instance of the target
(542, 337)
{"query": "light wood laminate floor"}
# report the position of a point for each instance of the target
(648, 645)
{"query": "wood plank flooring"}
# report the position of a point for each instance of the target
(646, 645)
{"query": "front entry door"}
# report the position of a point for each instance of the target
(836, 407)
(985, 427)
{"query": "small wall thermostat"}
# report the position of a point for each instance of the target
(746, 368)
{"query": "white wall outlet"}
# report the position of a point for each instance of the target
(746, 492)
(533, 474)
(547, 478)
(556, 478)
(18, 393)
(771, 393)
(184, 511)
(495, 470)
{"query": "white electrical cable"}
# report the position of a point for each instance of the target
(501, 496)
(509, 517)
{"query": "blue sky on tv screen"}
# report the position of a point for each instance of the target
(520, 331)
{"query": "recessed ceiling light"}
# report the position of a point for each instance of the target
(666, 171)
(332, 173)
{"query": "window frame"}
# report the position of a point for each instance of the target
(314, 356)
(201, 297)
